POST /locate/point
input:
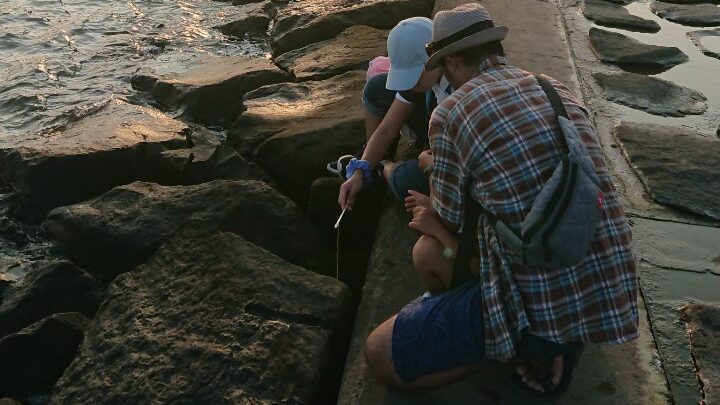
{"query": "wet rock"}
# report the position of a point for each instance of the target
(703, 323)
(627, 52)
(119, 144)
(122, 228)
(677, 166)
(35, 357)
(697, 36)
(310, 21)
(4, 286)
(655, 96)
(9, 269)
(48, 288)
(212, 318)
(682, 247)
(698, 15)
(352, 49)
(12, 232)
(253, 24)
(613, 15)
(212, 92)
(294, 129)
(671, 337)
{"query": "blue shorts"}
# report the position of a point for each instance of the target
(408, 176)
(439, 333)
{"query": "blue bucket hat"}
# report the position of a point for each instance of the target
(406, 50)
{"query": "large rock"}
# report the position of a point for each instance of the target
(655, 96)
(678, 167)
(122, 228)
(704, 330)
(118, 144)
(204, 163)
(698, 15)
(211, 93)
(613, 15)
(253, 24)
(294, 129)
(679, 249)
(697, 38)
(627, 52)
(48, 288)
(209, 319)
(309, 21)
(34, 358)
(208, 159)
(12, 231)
(352, 49)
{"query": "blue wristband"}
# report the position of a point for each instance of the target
(363, 165)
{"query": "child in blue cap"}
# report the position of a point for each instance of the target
(405, 96)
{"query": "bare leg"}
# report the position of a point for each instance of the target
(388, 168)
(378, 353)
(434, 269)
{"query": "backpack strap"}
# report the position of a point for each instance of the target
(557, 106)
(468, 236)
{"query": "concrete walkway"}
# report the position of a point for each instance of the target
(625, 374)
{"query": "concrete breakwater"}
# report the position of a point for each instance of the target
(182, 266)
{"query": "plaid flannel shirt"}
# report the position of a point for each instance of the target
(499, 131)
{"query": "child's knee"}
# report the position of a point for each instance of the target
(426, 250)
(388, 168)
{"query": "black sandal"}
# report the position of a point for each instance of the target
(540, 369)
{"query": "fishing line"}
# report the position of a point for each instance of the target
(337, 246)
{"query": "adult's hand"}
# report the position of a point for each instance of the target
(350, 189)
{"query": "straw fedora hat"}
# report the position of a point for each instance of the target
(461, 28)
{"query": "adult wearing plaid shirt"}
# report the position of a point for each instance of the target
(498, 131)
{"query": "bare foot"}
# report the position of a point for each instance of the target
(416, 199)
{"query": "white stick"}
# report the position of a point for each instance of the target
(337, 224)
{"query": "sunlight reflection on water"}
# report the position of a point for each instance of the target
(74, 52)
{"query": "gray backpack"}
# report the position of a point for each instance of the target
(565, 216)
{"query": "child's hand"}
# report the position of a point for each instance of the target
(416, 199)
(349, 190)
(425, 160)
(425, 220)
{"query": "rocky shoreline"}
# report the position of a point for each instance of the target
(182, 266)
(147, 259)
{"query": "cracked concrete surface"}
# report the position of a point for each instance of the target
(678, 252)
